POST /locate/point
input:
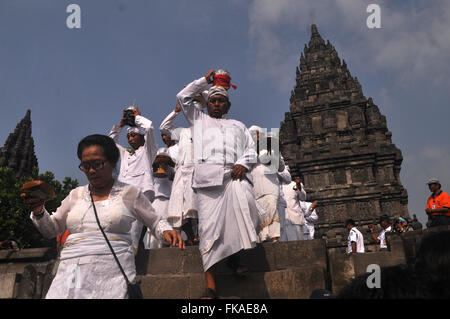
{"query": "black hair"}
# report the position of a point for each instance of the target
(350, 222)
(110, 150)
(385, 218)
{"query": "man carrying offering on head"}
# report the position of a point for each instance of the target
(224, 154)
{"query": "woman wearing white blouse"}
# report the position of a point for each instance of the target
(87, 268)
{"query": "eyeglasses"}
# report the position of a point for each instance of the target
(96, 165)
(220, 100)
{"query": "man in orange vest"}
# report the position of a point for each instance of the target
(438, 204)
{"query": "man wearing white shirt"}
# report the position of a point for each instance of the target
(311, 217)
(355, 240)
(182, 208)
(224, 154)
(300, 188)
(136, 160)
(266, 185)
(385, 224)
(163, 187)
(172, 147)
(294, 220)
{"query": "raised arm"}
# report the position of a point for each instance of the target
(114, 134)
(301, 194)
(185, 97)
(284, 177)
(168, 126)
(150, 141)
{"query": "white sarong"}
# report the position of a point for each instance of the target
(227, 214)
(271, 228)
(87, 269)
(160, 205)
(183, 200)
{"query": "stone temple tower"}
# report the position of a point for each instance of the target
(18, 151)
(338, 141)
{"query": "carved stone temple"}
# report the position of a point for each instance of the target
(338, 141)
(18, 151)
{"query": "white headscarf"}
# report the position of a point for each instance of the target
(255, 128)
(135, 129)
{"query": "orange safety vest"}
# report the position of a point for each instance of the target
(440, 201)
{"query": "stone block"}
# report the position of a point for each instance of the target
(174, 261)
(170, 286)
(281, 255)
(345, 267)
(264, 257)
(8, 284)
(292, 283)
(29, 254)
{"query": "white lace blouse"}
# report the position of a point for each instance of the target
(125, 204)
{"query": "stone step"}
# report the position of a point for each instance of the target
(265, 257)
(8, 285)
(290, 283)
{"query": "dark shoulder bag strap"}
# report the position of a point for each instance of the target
(106, 238)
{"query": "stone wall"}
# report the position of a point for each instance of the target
(277, 270)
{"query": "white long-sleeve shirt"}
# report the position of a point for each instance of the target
(218, 143)
(293, 213)
(87, 269)
(125, 204)
(266, 182)
(136, 167)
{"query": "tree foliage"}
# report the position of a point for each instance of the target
(15, 222)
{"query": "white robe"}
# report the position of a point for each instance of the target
(136, 167)
(183, 200)
(294, 218)
(266, 187)
(227, 210)
(310, 218)
(163, 188)
(87, 269)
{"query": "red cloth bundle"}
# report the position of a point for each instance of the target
(223, 80)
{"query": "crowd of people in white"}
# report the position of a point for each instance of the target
(216, 184)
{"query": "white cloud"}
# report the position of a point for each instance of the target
(413, 44)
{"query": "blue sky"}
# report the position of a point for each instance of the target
(77, 81)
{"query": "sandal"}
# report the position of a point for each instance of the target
(209, 294)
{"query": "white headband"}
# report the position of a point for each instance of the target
(217, 90)
(135, 129)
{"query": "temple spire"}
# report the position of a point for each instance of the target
(338, 142)
(332, 79)
(18, 151)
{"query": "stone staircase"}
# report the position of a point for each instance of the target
(288, 270)
(276, 270)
